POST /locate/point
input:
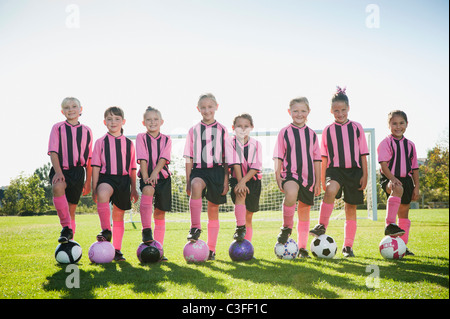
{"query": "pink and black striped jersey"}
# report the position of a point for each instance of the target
(248, 156)
(152, 149)
(72, 143)
(400, 154)
(205, 145)
(114, 155)
(298, 148)
(344, 144)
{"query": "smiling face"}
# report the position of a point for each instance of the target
(72, 111)
(299, 113)
(207, 108)
(114, 123)
(242, 129)
(152, 121)
(398, 126)
(340, 111)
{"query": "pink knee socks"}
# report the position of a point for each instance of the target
(62, 209)
(213, 234)
(349, 232)
(393, 203)
(195, 206)
(146, 210)
(325, 213)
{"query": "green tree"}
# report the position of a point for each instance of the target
(434, 183)
(24, 195)
(43, 173)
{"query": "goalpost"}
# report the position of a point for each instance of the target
(271, 197)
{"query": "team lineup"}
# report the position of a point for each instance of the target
(217, 163)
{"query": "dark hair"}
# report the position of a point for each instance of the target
(340, 96)
(115, 110)
(397, 113)
(244, 116)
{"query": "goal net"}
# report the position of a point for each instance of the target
(271, 197)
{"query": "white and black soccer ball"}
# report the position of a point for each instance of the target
(287, 251)
(323, 246)
(68, 253)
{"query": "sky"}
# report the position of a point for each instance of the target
(253, 55)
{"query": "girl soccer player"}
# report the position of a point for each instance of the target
(113, 178)
(206, 170)
(399, 176)
(344, 168)
(70, 150)
(153, 155)
(244, 158)
(297, 172)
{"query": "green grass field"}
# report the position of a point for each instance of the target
(28, 269)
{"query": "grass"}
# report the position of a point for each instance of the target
(28, 269)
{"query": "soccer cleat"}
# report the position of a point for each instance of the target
(194, 234)
(303, 253)
(147, 236)
(118, 256)
(284, 235)
(66, 235)
(212, 255)
(318, 230)
(347, 251)
(393, 230)
(409, 252)
(239, 234)
(104, 235)
(163, 259)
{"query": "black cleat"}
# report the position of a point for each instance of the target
(303, 253)
(393, 230)
(104, 235)
(284, 235)
(66, 235)
(119, 256)
(239, 234)
(347, 251)
(147, 236)
(194, 234)
(318, 230)
(212, 255)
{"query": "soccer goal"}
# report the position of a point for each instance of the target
(271, 197)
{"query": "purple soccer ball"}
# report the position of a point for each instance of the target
(142, 246)
(196, 251)
(241, 251)
(101, 252)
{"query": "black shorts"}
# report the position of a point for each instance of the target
(252, 198)
(74, 183)
(349, 180)
(121, 185)
(214, 178)
(408, 187)
(304, 195)
(162, 195)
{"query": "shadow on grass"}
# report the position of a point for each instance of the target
(146, 279)
(314, 278)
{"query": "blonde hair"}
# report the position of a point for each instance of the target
(152, 109)
(301, 99)
(70, 99)
(207, 96)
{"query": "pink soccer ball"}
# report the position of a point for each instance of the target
(196, 252)
(101, 252)
(392, 247)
